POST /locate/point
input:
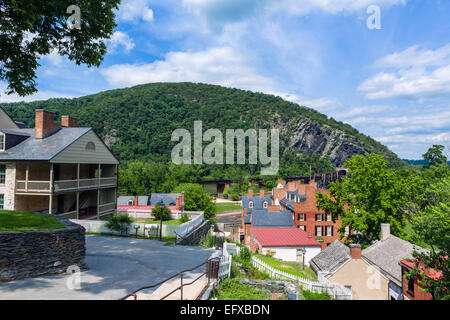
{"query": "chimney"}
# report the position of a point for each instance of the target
(261, 193)
(250, 192)
(43, 123)
(136, 201)
(355, 251)
(385, 231)
(69, 122)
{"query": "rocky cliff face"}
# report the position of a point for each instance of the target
(302, 134)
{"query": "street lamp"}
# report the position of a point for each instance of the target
(161, 204)
(303, 256)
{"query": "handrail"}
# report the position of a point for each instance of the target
(170, 278)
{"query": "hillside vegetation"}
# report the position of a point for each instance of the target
(137, 122)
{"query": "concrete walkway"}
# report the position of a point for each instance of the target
(117, 266)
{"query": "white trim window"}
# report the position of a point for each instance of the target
(2, 201)
(318, 217)
(2, 174)
(2, 142)
(329, 217)
(250, 204)
(301, 217)
(131, 202)
(265, 204)
(302, 227)
(329, 231)
(319, 231)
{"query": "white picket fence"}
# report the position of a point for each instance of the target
(225, 266)
(231, 248)
(335, 290)
(185, 228)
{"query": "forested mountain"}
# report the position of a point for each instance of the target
(137, 122)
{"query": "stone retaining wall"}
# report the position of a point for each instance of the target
(276, 286)
(37, 253)
(194, 238)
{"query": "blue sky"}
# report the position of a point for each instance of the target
(392, 84)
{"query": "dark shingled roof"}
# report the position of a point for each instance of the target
(123, 200)
(257, 202)
(265, 218)
(331, 258)
(42, 149)
(168, 198)
(386, 254)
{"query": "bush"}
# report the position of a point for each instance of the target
(156, 212)
(233, 289)
(235, 197)
(119, 223)
(184, 218)
(245, 255)
(225, 193)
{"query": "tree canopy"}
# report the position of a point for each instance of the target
(30, 29)
(370, 195)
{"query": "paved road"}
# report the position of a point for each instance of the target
(117, 266)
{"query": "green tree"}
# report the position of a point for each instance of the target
(435, 155)
(156, 213)
(372, 194)
(196, 199)
(432, 226)
(118, 223)
(30, 29)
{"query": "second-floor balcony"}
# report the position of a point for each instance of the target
(43, 178)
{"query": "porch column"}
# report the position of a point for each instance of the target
(51, 178)
(50, 204)
(78, 175)
(98, 204)
(99, 173)
(78, 205)
(26, 176)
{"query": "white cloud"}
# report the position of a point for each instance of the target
(121, 39)
(135, 10)
(221, 65)
(419, 74)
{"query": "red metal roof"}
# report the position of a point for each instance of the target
(433, 274)
(283, 237)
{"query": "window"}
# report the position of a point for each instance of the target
(328, 217)
(318, 217)
(130, 202)
(301, 217)
(2, 173)
(2, 142)
(90, 146)
(411, 287)
(265, 204)
(347, 231)
(329, 231)
(250, 204)
(2, 201)
(318, 230)
(302, 227)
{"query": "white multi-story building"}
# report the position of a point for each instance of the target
(57, 169)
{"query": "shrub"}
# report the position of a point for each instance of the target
(225, 193)
(184, 218)
(156, 212)
(245, 255)
(119, 223)
(235, 197)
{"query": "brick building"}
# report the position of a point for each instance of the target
(411, 288)
(300, 200)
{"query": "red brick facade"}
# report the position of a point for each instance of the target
(308, 217)
(69, 122)
(411, 287)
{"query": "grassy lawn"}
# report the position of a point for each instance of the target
(308, 295)
(24, 221)
(224, 206)
(233, 289)
(173, 222)
(289, 267)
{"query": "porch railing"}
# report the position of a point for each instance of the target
(64, 185)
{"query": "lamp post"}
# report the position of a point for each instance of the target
(160, 223)
(303, 256)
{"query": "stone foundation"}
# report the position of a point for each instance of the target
(38, 253)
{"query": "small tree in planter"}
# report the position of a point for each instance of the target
(184, 218)
(119, 223)
(156, 212)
